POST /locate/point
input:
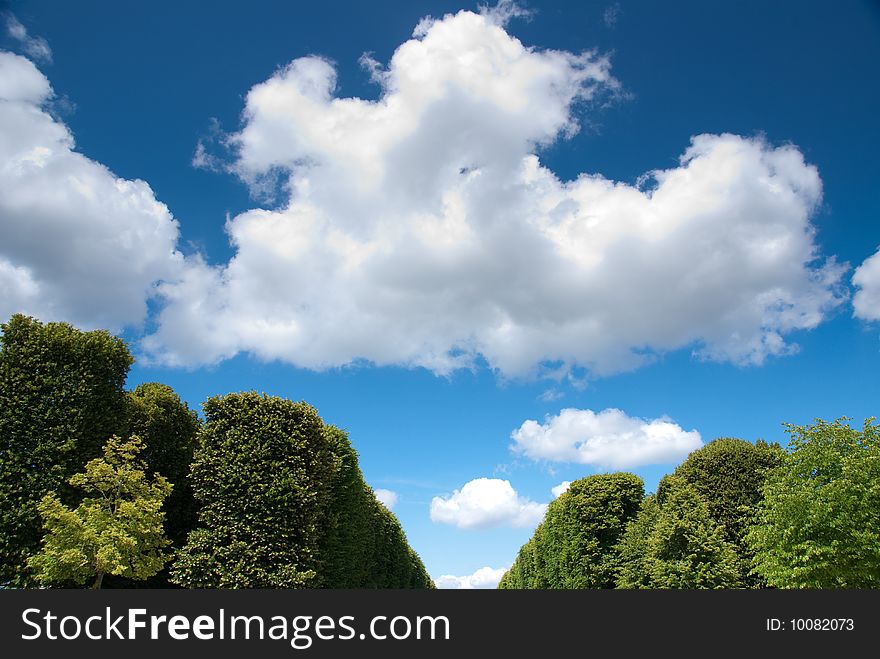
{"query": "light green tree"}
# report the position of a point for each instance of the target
(117, 529)
(819, 523)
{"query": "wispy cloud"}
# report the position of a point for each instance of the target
(611, 15)
(37, 48)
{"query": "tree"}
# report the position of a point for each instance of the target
(819, 523)
(363, 545)
(633, 571)
(168, 428)
(526, 572)
(61, 397)
(575, 546)
(686, 546)
(262, 472)
(117, 529)
(729, 474)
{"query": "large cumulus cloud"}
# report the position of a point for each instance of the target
(422, 229)
(78, 243)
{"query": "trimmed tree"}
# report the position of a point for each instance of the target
(115, 530)
(262, 474)
(576, 544)
(729, 474)
(61, 397)
(686, 547)
(363, 545)
(168, 428)
(819, 523)
(633, 547)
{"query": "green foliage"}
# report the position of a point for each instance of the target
(819, 524)
(61, 397)
(526, 571)
(117, 529)
(168, 428)
(155, 413)
(685, 548)
(284, 505)
(575, 546)
(364, 545)
(729, 474)
(261, 474)
(633, 547)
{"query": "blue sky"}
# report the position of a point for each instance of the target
(427, 268)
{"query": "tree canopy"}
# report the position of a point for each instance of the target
(117, 528)
(61, 398)
(284, 505)
(576, 545)
(819, 523)
(364, 545)
(729, 474)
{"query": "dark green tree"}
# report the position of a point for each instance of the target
(61, 398)
(729, 474)
(363, 544)
(117, 529)
(819, 523)
(633, 547)
(261, 473)
(526, 572)
(686, 547)
(576, 544)
(155, 413)
(582, 528)
(168, 428)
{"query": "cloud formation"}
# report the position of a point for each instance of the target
(486, 503)
(866, 279)
(78, 243)
(485, 577)
(387, 498)
(421, 229)
(608, 438)
(34, 47)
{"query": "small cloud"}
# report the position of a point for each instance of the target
(550, 395)
(559, 489)
(387, 498)
(485, 577)
(866, 280)
(37, 48)
(203, 157)
(611, 15)
(486, 503)
(504, 11)
(608, 438)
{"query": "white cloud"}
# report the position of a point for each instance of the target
(559, 489)
(34, 47)
(78, 243)
(485, 577)
(608, 438)
(549, 395)
(387, 498)
(611, 15)
(421, 229)
(866, 279)
(486, 503)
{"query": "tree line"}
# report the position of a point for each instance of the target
(107, 487)
(732, 515)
